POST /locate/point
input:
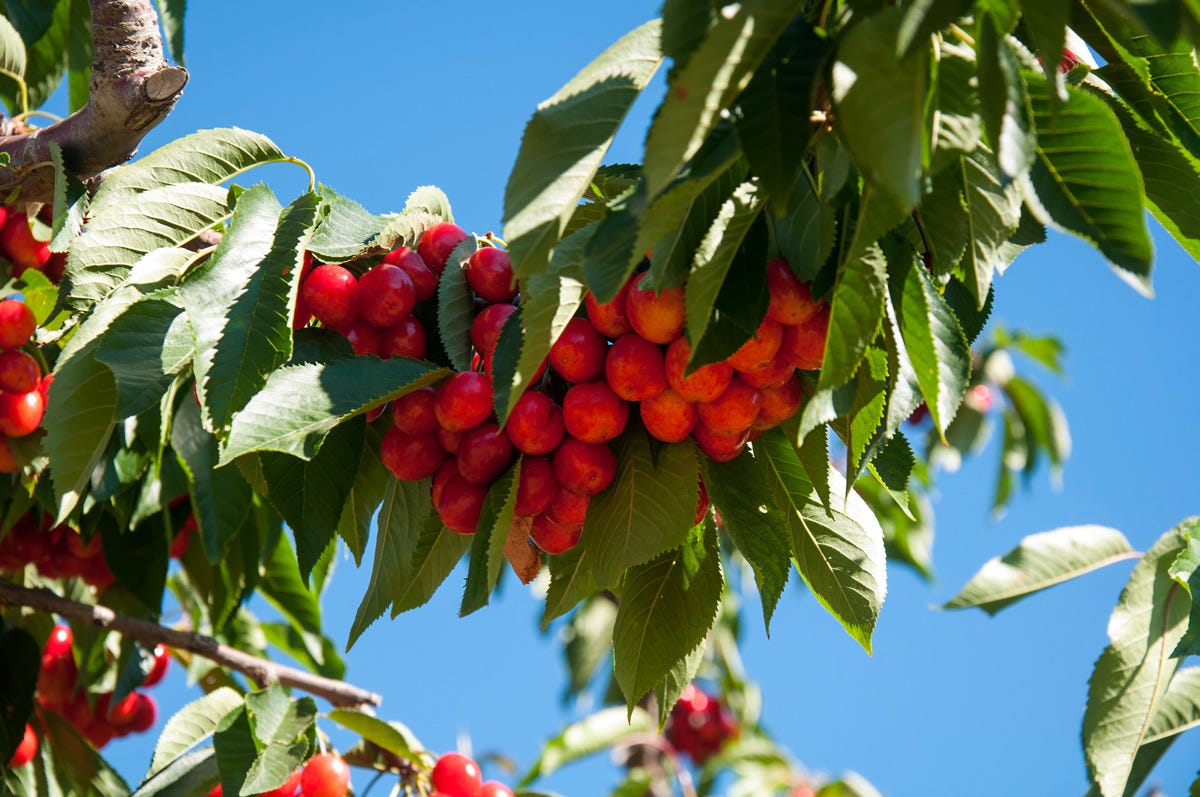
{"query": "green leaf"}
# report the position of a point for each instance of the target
(1042, 419)
(881, 111)
(923, 18)
(438, 550)
(171, 14)
(19, 667)
(456, 306)
(667, 607)
(84, 768)
(300, 404)
(548, 301)
(401, 520)
(1046, 23)
(240, 305)
(587, 643)
(370, 484)
(284, 727)
(119, 235)
(391, 736)
(590, 735)
(1004, 100)
(856, 311)
(80, 413)
(773, 122)
(1186, 572)
(191, 773)
(860, 430)
(1130, 679)
(571, 581)
(236, 749)
(284, 589)
(936, 346)
(559, 156)
(755, 524)
(646, 511)
(715, 73)
(309, 494)
(805, 235)
(840, 554)
(1087, 181)
(1041, 560)
(346, 231)
(957, 127)
(12, 54)
(191, 725)
(135, 347)
(487, 547)
(993, 213)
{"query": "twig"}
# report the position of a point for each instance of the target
(133, 88)
(261, 671)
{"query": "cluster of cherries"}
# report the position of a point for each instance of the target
(96, 716)
(22, 385)
(56, 552)
(325, 775)
(699, 725)
(457, 775)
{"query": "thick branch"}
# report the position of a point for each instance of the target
(261, 671)
(133, 88)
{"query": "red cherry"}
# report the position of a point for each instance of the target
(486, 328)
(456, 775)
(424, 281)
(325, 775)
(536, 487)
(535, 425)
(804, 344)
(719, 447)
(668, 417)
(490, 274)
(22, 248)
(56, 679)
(448, 469)
(657, 317)
(406, 339)
(387, 294)
(17, 324)
(413, 412)
(289, 787)
(411, 457)
(635, 368)
(760, 349)
(791, 300)
(568, 509)
(704, 383)
(493, 788)
(25, 751)
(460, 504)
(484, 452)
(365, 339)
(145, 713)
(438, 242)
(20, 413)
(216, 792)
(610, 317)
(463, 401)
(584, 468)
(19, 372)
(332, 293)
(578, 354)
(733, 411)
(60, 641)
(593, 413)
(162, 660)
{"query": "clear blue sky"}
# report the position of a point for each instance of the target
(381, 97)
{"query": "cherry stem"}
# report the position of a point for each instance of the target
(259, 670)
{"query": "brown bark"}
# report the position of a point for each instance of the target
(261, 671)
(133, 88)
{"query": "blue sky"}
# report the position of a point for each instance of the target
(380, 97)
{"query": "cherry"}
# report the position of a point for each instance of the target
(325, 775)
(447, 440)
(773, 374)
(289, 787)
(536, 487)
(610, 317)
(26, 750)
(463, 401)
(406, 339)
(703, 384)
(779, 404)
(494, 788)
(584, 468)
(668, 417)
(460, 504)
(760, 349)
(553, 538)
(979, 398)
(19, 372)
(791, 300)
(56, 679)
(424, 281)
(438, 242)
(17, 324)
(413, 412)
(490, 274)
(60, 641)
(719, 447)
(216, 792)
(22, 248)
(535, 425)
(456, 775)
(568, 509)
(656, 317)
(158, 670)
(387, 295)
(804, 345)
(734, 410)
(484, 452)
(145, 713)
(410, 457)
(122, 713)
(635, 368)
(593, 413)
(578, 354)
(450, 468)
(333, 295)
(365, 339)
(20, 413)
(486, 328)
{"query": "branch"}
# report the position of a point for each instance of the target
(261, 671)
(133, 88)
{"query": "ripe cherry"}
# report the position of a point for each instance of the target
(410, 457)
(387, 295)
(19, 372)
(26, 750)
(438, 242)
(486, 328)
(779, 404)
(17, 324)
(484, 452)
(734, 410)
(610, 317)
(760, 349)
(773, 374)
(365, 339)
(22, 248)
(704, 383)
(413, 412)
(56, 679)
(578, 354)
(162, 659)
(494, 788)
(463, 401)
(535, 425)
(424, 281)
(456, 775)
(593, 413)
(656, 317)
(568, 510)
(668, 417)
(635, 368)
(536, 487)
(719, 447)
(333, 295)
(584, 468)
(791, 300)
(450, 468)
(460, 504)
(804, 345)
(59, 642)
(325, 775)
(553, 538)
(406, 339)
(490, 274)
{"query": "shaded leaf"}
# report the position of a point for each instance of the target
(191, 725)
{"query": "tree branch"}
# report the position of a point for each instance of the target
(133, 88)
(261, 671)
